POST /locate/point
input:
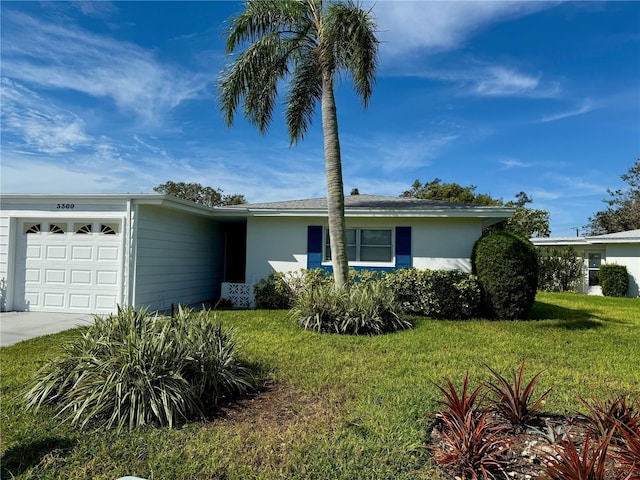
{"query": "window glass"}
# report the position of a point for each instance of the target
(594, 260)
(83, 228)
(365, 245)
(53, 228)
(32, 228)
(593, 278)
(375, 254)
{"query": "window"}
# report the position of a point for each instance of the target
(83, 228)
(365, 245)
(108, 229)
(32, 228)
(53, 228)
(595, 259)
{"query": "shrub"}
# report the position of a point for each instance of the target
(559, 269)
(507, 269)
(132, 369)
(367, 308)
(273, 292)
(569, 464)
(279, 290)
(614, 280)
(439, 294)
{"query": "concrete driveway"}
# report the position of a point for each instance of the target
(18, 326)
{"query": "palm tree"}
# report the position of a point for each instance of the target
(306, 44)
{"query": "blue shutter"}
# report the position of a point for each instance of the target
(314, 246)
(403, 247)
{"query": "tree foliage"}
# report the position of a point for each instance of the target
(301, 46)
(559, 269)
(449, 192)
(623, 210)
(208, 196)
(526, 222)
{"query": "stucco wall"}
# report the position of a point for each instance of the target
(280, 243)
(178, 258)
(629, 256)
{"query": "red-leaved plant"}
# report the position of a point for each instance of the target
(513, 399)
(472, 445)
(627, 453)
(605, 416)
(569, 463)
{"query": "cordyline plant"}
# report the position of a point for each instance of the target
(514, 399)
(473, 445)
(569, 464)
(627, 453)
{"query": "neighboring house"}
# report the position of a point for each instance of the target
(621, 248)
(91, 253)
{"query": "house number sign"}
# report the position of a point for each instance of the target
(65, 206)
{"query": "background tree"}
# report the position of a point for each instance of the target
(305, 45)
(526, 222)
(211, 197)
(449, 192)
(623, 211)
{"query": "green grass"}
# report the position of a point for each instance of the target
(344, 407)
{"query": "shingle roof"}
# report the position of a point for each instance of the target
(362, 202)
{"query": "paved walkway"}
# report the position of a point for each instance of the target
(18, 326)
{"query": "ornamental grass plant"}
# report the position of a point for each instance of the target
(132, 369)
(366, 308)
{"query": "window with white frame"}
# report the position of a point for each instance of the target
(373, 245)
(595, 260)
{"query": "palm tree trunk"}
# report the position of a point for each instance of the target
(335, 189)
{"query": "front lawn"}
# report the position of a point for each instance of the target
(337, 406)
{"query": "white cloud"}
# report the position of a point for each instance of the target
(410, 27)
(586, 107)
(514, 163)
(42, 127)
(67, 57)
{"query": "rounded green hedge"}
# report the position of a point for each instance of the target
(507, 269)
(614, 280)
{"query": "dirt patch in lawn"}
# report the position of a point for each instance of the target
(278, 407)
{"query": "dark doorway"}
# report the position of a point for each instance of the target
(235, 252)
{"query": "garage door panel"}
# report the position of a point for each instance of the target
(107, 253)
(54, 300)
(56, 252)
(81, 252)
(55, 276)
(32, 275)
(80, 277)
(34, 252)
(107, 278)
(67, 271)
(79, 300)
(106, 302)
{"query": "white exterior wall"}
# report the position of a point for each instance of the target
(178, 258)
(444, 244)
(280, 243)
(276, 244)
(629, 256)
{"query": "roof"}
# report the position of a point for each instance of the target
(380, 206)
(630, 236)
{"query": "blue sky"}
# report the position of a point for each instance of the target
(539, 97)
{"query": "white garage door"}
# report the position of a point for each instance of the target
(68, 266)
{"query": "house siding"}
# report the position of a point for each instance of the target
(282, 243)
(629, 256)
(178, 258)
